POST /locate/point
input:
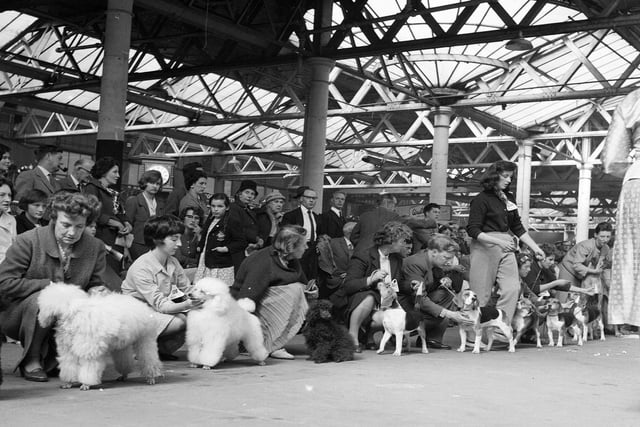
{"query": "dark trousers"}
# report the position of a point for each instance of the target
(309, 262)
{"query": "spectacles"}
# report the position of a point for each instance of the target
(84, 169)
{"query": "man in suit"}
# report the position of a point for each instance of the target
(78, 176)
(333, 259)
(42, 176)
(304, 216)
(372, 221)
(433, 268)
(333, 220)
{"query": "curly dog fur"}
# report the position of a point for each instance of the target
(326, 339)
(92, 328)
(215, 330)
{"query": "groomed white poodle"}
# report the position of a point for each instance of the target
(215, 330)
(90, 328)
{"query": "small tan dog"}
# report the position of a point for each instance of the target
(483, 318)
(397, 321)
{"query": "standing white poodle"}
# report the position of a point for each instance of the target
(90, 328)
(215, 330)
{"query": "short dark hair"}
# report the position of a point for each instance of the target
(391, 232)
(150, 176)
(193, 177)
(74, 204)
(429, 207)
(102, 166)
(4, 149)
(220, 196)
(603, 226)
(492, 174)
(42, 151)
(159, 228)
(32, 196)
(548, 249)
(196, 211)
(189, 168)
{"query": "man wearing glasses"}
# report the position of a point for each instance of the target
(78, 176)
(304, 216)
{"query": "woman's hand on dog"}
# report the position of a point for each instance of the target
(376, 276)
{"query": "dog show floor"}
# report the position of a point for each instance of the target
(597, 384)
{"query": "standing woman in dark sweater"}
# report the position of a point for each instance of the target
(493, 222)
(273, 278)
(224, 236)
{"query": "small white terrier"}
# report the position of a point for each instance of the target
(215, 329)
(91, 328)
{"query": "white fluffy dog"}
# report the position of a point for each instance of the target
(216, 328)
(90, 328)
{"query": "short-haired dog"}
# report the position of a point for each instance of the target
(586, 309)
(484, 318)
(559, 321)
(398, 322)
(526, 318)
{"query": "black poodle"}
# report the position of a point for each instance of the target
(326, 339)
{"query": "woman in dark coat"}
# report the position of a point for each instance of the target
(381, 262)
(60, 252)
(111, 222)
(141, 207)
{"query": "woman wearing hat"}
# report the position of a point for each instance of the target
(240, 212)
(269, 216)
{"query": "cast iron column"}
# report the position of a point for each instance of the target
(440, 155)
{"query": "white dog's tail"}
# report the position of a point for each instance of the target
(247, 304)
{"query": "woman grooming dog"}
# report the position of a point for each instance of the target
(60, 252)
(224, 235)
(381, 262)
(493, 222)
(158, 279)
(273, 278)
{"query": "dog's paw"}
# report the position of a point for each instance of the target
(602, 338)
(151, 381)
(461, 349)
(379, 351)
(121, 378)
(550, 344)
(66, 386)
(397, 353)
(206, 368)
(194, 365)
(512, 350)
(476, 351)
(84, 387)
(425, 351)
(262, 363)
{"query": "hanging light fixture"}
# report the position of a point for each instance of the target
(519, 44)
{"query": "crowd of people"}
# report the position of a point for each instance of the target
(78, 230)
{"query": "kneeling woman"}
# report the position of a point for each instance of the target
(59, 252)
(158, 279)
(273, 278)
(381, 262)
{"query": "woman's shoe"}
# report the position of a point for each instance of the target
(282, 354)
(37, 375)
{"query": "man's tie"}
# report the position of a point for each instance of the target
(312, 236)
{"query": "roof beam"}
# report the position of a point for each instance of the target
(207, 21)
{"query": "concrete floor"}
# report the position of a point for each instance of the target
(597, 384)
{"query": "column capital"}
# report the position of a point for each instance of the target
(526, 142)
(320, 61)
(441, 116)
(586, 166)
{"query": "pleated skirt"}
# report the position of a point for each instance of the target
(624, 293)
(281, 312)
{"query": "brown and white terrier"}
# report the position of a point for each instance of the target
(484, 318)
(526, 318)
(558, 320)
(586, 309)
